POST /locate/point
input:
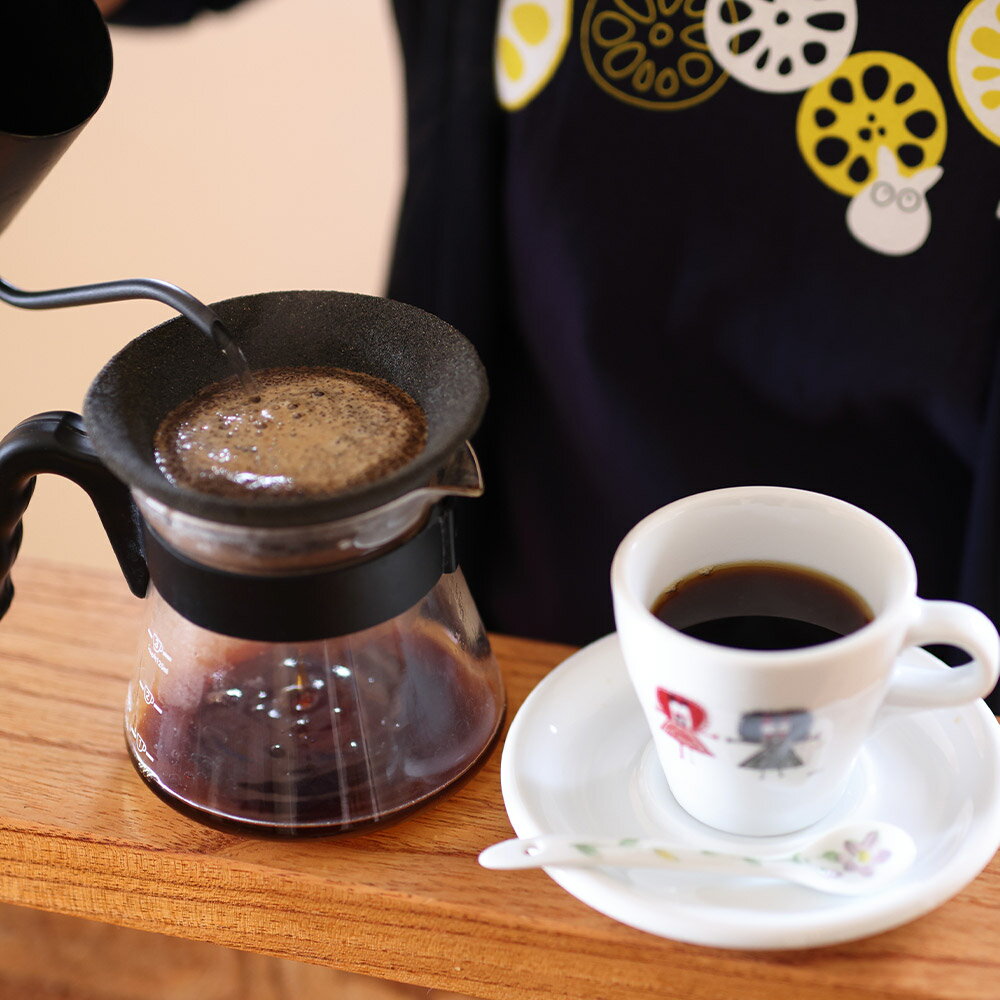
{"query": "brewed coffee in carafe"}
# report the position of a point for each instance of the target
(305, 737)
(311, 662)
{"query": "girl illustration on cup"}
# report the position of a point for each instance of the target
(777, 732)
(685, 718)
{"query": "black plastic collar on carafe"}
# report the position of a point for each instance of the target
(303, 607)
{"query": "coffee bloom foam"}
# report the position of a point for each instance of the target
(308, 432)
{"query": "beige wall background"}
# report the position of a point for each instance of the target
(253, 150)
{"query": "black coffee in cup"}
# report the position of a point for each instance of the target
(762, 605)
(309, 431)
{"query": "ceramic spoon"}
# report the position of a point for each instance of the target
(849, 861)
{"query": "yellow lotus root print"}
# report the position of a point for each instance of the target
(530, 43)
(874, 100)
(650, 53)
(974, 65)
(780, 46)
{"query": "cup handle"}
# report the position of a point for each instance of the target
(958, 625)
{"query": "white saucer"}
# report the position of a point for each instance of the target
(578, 760)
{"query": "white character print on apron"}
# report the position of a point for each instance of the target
(891, 214)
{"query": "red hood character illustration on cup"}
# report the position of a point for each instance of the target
(685, 718)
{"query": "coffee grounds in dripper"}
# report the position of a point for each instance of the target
(310, 431)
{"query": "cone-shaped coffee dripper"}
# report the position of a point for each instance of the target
(167, 365)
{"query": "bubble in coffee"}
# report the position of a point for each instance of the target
(309, 431)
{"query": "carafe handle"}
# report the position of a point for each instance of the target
(56, 442)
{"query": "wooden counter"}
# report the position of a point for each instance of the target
(80, 834)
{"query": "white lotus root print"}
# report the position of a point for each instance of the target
(891, 214)
(530, 43)
(780, 46)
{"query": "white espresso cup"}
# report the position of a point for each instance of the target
(762, 742)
